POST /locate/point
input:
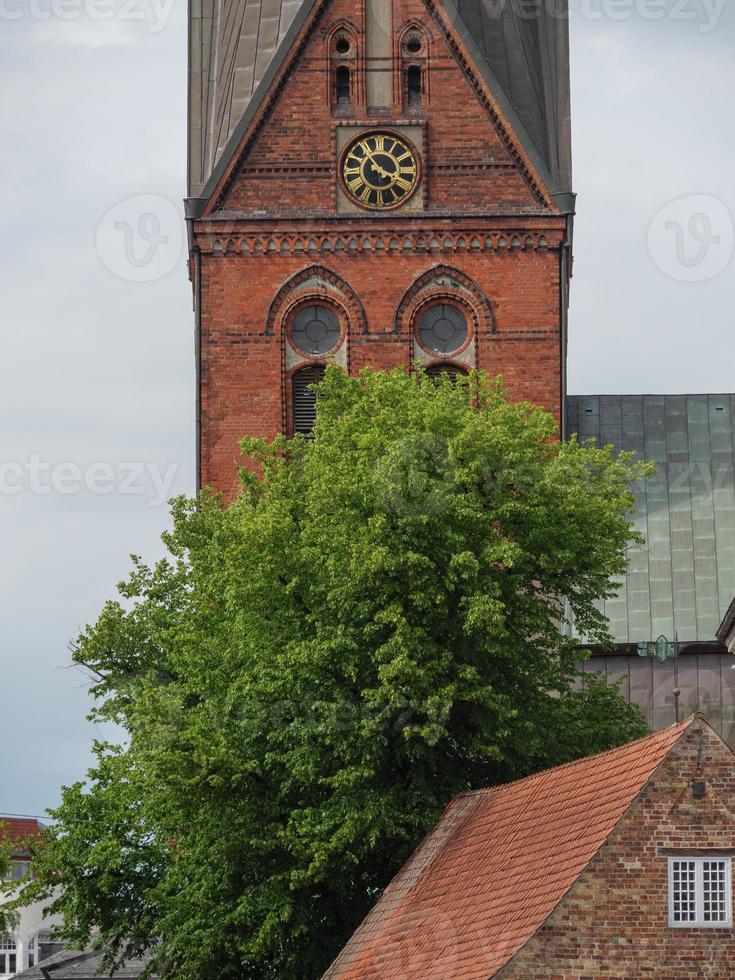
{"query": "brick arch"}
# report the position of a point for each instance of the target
(348, 295)
(412, 24)
(469, 291)
(343, 24)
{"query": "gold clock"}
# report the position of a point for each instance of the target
(380, 171)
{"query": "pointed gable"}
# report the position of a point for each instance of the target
(496, 866)
(237, 46)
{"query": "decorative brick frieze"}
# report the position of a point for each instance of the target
(379, 244)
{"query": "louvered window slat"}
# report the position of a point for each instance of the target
(437, 370)
(304, 398)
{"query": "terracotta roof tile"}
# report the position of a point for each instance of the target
(17, 830)
(495, 867)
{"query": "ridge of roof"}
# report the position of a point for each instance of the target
(659, 734)
(496, 866)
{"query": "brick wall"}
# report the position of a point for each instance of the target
(483, 214)
(613, 922)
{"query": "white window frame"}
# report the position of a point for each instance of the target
(45, 937)
(698, 862)
(9, 947)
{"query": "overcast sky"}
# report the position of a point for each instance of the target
(96, 366)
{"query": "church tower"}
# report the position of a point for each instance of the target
(377, 182)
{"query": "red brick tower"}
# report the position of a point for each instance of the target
(380, 182)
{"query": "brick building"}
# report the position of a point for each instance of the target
(382, 182)
(618, 865)
(388, 182)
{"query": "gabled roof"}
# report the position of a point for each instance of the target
(18, 830)
(237, 46)
(682, 581)
(496, 866)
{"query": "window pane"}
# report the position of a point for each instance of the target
(315, 330)
(684, 879)
(443, 329)
(18, 870)
(342, 84)
(413, 85)
(8, 958)
(714, 891)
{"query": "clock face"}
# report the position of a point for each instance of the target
(380, 171)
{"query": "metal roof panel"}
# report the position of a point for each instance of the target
(683, 580)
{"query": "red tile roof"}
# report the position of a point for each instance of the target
(17, 830)
(495, 867)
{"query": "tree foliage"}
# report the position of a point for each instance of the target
(8, 888)
(370, 627)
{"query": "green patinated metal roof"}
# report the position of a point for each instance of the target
(682, 581)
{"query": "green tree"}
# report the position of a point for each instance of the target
(7, 916)
(372, 626)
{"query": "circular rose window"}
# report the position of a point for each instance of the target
(443, 329)
(315, 330)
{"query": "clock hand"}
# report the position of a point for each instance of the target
(377, 168)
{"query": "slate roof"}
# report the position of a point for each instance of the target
(75, 965)
(496, 866)
(231, 44)
(235, 44)
(683, 580)
(529, 58)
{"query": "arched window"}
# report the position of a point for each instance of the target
(8, 957)
(343, 62)
(303, 398)
(413, 68)
(42, 947)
